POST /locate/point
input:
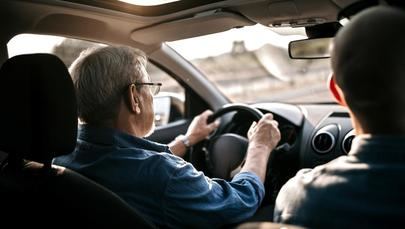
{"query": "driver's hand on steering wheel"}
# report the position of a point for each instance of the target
(263, 138)
(199, 129)
(265, 133)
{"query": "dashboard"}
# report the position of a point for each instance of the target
(310, 135)
(317, 133)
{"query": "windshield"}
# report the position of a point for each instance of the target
(251, 64)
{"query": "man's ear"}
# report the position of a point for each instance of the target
(336, 91)
(133, 101)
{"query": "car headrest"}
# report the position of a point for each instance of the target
(38, 113)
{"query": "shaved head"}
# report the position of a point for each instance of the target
(368, 60)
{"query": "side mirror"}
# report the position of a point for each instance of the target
(315, 48)
(168, 107)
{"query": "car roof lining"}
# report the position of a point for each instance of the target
(212, 22)
(71, 19)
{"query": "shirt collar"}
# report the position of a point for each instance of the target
(113, 137)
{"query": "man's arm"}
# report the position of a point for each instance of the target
(192, 200)
(215, 202)
(263, 138)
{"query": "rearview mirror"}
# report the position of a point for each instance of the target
(315, 48)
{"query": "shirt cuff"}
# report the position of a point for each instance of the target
(254, 180)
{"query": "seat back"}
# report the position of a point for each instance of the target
(38, 121)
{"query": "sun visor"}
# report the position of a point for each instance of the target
(201, 24)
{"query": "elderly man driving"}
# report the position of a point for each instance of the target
(115, 103)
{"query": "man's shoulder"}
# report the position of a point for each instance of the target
(323, 175)
(310, 189)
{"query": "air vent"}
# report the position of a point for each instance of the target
(323, 142)
(347, 141)
(324, 139)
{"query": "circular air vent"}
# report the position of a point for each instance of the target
(347, 141)
(323, 142)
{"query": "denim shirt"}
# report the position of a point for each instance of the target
(365, 189)
(166, 189)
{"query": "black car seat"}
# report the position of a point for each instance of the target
(38, 121)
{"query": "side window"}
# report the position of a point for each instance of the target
(169, 103)
(66, 49)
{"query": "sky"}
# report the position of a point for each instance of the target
(28, 43)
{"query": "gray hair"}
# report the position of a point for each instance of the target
(100, 77)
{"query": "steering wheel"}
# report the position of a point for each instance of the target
(226, 151)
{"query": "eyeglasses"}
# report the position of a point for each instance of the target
(154, 87)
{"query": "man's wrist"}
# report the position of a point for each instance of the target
(185, 140)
